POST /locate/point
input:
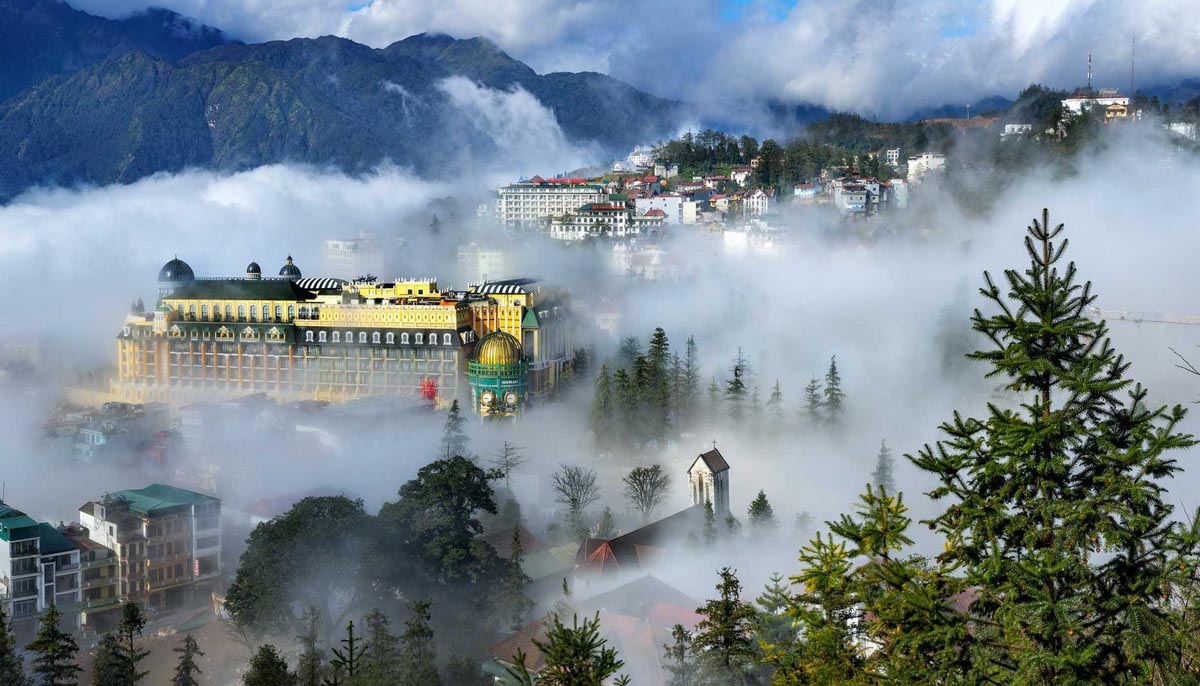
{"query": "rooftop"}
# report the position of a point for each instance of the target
(241, 289)
(157, 497)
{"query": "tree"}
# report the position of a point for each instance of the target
(576, 489)
(680, 659)
(187, 669)
(607, 527)
(347, 661)
(646, 488)
(381, 664)
(268, 668)
(710, 523)
(54, 652)
(417, 656)
(1077, 469)
(813, 404)
(773, 625)
(724, 638)
(761, 515)
(435, 226)
(461, 670)
(604, 407)
(631, 349)
(574, 656)
(509, 458)
(775, 407)
(513, 601)
(133, 622)
(884, 464)
(454, 434)
(12, 668)
(834, 404)
(735, 390)
(310, 669)
(108, 667)
(689, 386)
(714, 398)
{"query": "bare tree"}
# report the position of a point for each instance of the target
(646, 488)
(507, 460)
(576, 488)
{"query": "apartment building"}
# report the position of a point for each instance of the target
(532, 203)
(39, 567)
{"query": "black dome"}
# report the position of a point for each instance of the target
(290, 269)
(253, 268)
(175, 271)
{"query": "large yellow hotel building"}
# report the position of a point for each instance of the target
(297, 338)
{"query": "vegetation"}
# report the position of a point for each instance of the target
(54, 652)
(187, 669)
(646, 488)
(575, 655)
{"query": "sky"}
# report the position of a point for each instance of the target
(876, 57)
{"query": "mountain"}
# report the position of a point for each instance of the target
(993, 104)
(162, 107)
(44, 38)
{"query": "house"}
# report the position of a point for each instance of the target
(806, 193)
(741, 175)
(892, 155)
(1087, 98)
(99, 568)
(39, 567)
(758, 202)
(670, 205)
(926, 162)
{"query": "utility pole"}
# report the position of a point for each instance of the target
(1089, 79)
(1132, 63)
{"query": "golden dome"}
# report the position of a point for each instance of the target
(498, 348)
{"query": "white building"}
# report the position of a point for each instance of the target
(1011, 130)
(806, 193)
(664, 171)
(923, 164)
(350, 258)
(1087, 99)
(758, 202)
(38, 567)
(640, 158)
(671, 206)
(897, 194)
(604, 220)
(1183, 128)
(534, 202)
(893, 157)
(741, 175)
(708, 482)
(477, 263)
(689, 212)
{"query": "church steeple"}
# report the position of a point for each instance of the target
(708, 481)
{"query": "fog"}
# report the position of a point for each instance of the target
(881, 301)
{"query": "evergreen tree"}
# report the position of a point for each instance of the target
(417, 656)
(659, 352)
(12, 668)
(689, 392)
(735, 394)
(756, 413)
(109, 667)
(133, 622)
(724, 637)
(310, 670)
(775, 407)
(515, 605)
(803, 523)
(187, 669)
(347, 661)
(732, 526)
(607, 527)
(563, 607)
(680, 659)
(631, 349)
(435, 226)
(882, 476)
(773, 625)
(761, 515)
(54, 652)
(714, 399)
(574, 656)
(268, 668)
(834, 404)
(1076, 470)
(710, 523)
(813, 405)
(381, 664)
(461, 670)
(604, 408)
(454, 434)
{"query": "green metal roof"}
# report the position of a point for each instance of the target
(157, 497)
(240, 289)
(53, 542)
(530, 320)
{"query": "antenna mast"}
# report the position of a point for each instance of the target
(1132, 64)
(1089, 79)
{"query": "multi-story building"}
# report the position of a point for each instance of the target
(167, 540)
(327, 339)
(758, 202)
(352, 258)
(534, 202)
(100, 582)
(922, 164)
(39, 567)
(477, 263)
(1087, 98)
(611, 220)
(118, 429)
(670, 205)
(892, 155)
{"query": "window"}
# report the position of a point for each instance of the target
(229, 311)
(375, 338)
(391, 338)
(349, 336)
(433, 339)
(204, 312)
(303, 312)
(420, 338)
(337, 337)
(362, 337)
(445, 339)
(308, 336)
(253, 313)
(404, 338)
(291, 312)
(241, 312)
(321, 338)
(192, 311)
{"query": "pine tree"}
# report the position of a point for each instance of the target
(574, 656)
(108, 668)
(310, 669)
(834, 404)
(775, 407)
(133, 622)
(724, 638)
(455, 440)
(54, 652)
(714, 399)
(563, 607)
(461, 670)
(732, 526)
(803, 523)
(882, 476)
(680, 659)
(435, 226)
(690, 386)
(515, 605)
(12, 668)
(735, 395)
(755, 407)
(268, 668)
(187, 669)
(607, 527)
(631, 349)
(659, 351)
(761, 515)
(347, 661)
(710, 523)
(813, 405)
(1078, 469)
(773, 625)
(417, 656)
(604, 408)
(381, 663)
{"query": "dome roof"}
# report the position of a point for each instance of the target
(176, 270)
(253, 268)
(289, 269)
(498, 348)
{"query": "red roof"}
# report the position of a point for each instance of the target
(655, 213)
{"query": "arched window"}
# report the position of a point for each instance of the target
(254, 313)
(204, 312)
(349, 336)
(304, 313)
(291, 312)
(337, 337)
(375, 338)
(404, 339)
(241, 312)
(445, 339)
(321, 338)
(229, 311)
(433, 339)
(362, 336)
(192, 311)
(279, 312)
(420, 338)
(308, 336)
(391, 338)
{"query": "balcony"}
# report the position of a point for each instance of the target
(169, 559)
(169, 583)
(99, 581)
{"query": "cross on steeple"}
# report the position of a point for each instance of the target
(714, 444)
